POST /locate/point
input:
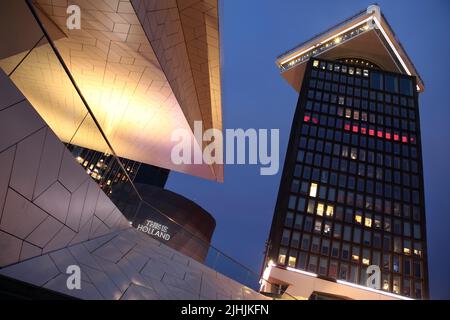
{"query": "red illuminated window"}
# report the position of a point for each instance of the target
(363, 130)
(371, 132)
(388, 135)
(405, 139)
(355, 129)
(307, 118)
(396, 137)
(315, 120)
(380, 134)
(347, 127)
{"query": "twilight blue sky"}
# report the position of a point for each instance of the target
(254, 33)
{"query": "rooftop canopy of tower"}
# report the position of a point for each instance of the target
(366, 38)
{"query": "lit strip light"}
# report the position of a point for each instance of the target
(302, 272)
(393, 48)
(348, 29)
(357, 286)
(325, 41)
(396, 296)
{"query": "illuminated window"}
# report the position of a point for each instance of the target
(348, 113)
(313, 190)
(320, 209)
(386, 280)
(311, 206)
(316, 64)
(366, 257)
(330, 211)
(351, 71)
(377, 222)
(368, 221)
(365, 73)
(327, 228)
(354, 154)
(292, 261)
(341, 100)
(356, 115)
(417, 249)
(355, 254)
(358, 218)
(282, 256)
(396, 285)
(318, 226)
(407, 247)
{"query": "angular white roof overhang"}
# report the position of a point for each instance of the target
(367, 35)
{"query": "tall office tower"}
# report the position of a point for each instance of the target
(350, 212)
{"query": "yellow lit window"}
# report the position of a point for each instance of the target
(281, 258)
(320, 209)
(368, 222)
(418, 252)
(292, 261)
(355, 257)
(330, 211)
(358, 218)
(407, 251)
(396, 286)
(386, 285)
(316, 63)
(366, 261)
(313, 190)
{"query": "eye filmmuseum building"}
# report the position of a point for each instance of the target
(350, 215)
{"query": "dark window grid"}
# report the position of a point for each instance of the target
(353, 225)
(354, 93)
(409, 123)
(374, 180)
(373, 106)
(364, 212)
(413, 162)
(359, 151)
(394, 145)
(401, 114)
(361, 249)
(383, 73)
(366, 197)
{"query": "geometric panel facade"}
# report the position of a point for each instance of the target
(128, 265)
(44, 197)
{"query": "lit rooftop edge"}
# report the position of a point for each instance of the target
(366, 35)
